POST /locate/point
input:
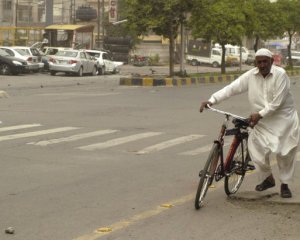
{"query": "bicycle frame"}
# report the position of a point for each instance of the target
(238, 139)
(234, 167)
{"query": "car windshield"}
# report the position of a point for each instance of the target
(25, 50)
(21, 52)
(66, 53)
(3, 53)
(94, 54)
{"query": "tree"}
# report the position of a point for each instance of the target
(161, 17)
(263, 20)
(290, 21)
(220, 21)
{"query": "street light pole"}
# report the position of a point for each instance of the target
(16, 13)
(98, 24)
(102, 18)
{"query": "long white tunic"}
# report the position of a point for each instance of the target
(278, 130)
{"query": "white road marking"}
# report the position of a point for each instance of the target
(79, 94)
(36, 133)
(3, 129)
(170, 143)
(201, 149)
(119, 141)
(74, 137)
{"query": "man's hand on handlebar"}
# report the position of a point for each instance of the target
(254, 118)
(204, 105)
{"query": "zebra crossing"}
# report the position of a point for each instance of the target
(102, 144)
(73, 137)
(29, 131)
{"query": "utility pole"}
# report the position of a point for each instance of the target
(98, 24)
(74, 6)
(49, 12)
(102, 21)
(16, 13)
(71, 12)
(62, 11)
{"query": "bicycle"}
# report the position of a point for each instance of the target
(236, 164)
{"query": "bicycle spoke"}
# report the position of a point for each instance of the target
(207, 176)
(235, 176)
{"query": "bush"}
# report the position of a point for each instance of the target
(154, 60)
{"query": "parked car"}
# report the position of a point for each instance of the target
(18, 53)
(11, 65)
(49, 51)
(105, 64)
(251, 58)
(35, 53)
(295, 58)
(76, 62)
(117, 64)
(235, 51)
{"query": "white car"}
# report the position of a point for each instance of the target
(295, 58)
(105, 64)
(32, 61)
(76, 62)
(34, 52)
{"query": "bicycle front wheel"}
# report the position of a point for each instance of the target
(207, 175)
(235, 177)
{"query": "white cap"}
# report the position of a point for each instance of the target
(264, 52)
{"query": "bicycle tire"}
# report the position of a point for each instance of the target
(207, 175)
(233, 180)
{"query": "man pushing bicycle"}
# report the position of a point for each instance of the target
(274, 119)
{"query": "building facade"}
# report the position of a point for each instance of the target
(30, 13)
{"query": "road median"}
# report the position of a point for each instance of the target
(152, 81)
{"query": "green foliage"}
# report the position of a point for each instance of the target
(220, 21)
(161, 17)
(154, 60)
(290, 21)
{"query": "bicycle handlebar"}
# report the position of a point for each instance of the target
(227, 113)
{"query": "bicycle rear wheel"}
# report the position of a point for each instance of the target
(207, 175)
(235, 177)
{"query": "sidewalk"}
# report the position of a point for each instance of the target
(271, 195)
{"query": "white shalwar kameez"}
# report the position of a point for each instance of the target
(278, 131)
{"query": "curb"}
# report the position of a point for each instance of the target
(175, 81)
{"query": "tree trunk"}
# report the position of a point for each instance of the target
(171, 52)
(256, 43)
(290, 62)
(182, 70)
(223, 62)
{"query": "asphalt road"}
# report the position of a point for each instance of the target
(84, 155)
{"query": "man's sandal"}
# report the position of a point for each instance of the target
(267, 183)
(285, 192)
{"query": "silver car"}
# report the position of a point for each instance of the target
(77, 62)
(34, 53)
(32, 61)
